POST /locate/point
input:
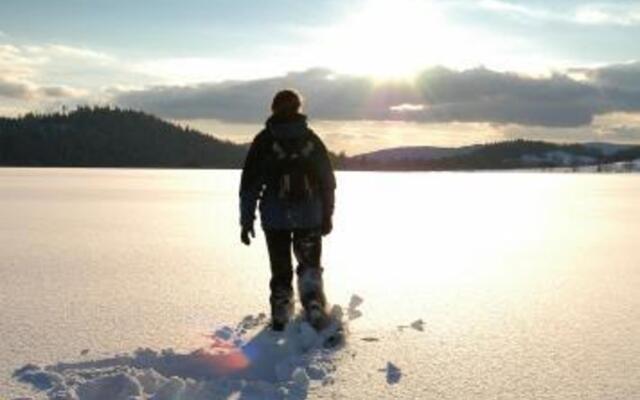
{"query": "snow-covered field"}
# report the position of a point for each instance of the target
(132, 284)
(247, 360)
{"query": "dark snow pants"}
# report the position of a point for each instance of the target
(307, 247)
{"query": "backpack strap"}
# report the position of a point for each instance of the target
(280, 151)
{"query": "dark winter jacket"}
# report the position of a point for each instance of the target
(260, 183)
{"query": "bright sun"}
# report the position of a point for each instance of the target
(390, 39)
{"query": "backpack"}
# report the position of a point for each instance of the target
(293, 167)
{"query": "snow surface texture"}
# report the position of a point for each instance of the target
(247, 361)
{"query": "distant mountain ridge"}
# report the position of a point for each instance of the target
(113, 137)
(501, 155)
(415, 153)
(608, 149)
(425, 153)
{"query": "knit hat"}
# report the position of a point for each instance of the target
(286, 101)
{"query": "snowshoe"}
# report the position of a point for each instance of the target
(278, 326)
(334, 338)
(281, 313)
(317, 316)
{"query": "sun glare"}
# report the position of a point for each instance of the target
(390, 39)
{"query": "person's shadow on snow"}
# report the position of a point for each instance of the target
(267, 366)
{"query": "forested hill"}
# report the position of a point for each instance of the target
(514, 154)
(110, 137)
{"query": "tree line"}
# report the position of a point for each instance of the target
(114, 137)
(110, 137)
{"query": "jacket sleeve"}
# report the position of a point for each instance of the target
(251, 182)
(327, 179)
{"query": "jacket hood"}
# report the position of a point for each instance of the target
(288, 128)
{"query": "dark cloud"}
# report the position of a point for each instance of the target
(623, 76)
(14, 90)
(57, 92)
(436, 95)
(330, 96)
(481, 95)
(24, 91)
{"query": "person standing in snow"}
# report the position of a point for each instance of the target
(288, 171)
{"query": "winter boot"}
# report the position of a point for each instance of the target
(317, 315)
(281, 312)
(277, 326)
(311, 292)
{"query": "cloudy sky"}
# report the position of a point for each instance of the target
(374, 73)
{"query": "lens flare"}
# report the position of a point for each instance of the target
(223, 357)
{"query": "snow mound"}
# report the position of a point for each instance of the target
(352, 310)
(247, 361)
(393, 373)
(418, 325)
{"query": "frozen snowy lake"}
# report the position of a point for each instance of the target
(526, 284)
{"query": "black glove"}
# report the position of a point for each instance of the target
(327, 211)
(246, 231)
(327, 225)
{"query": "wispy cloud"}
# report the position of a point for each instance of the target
(39, 76)
(77, 53)
(42, 61)
(608, 14)
(515, 9)
(14, 63)
(192, 70)
(586, 14)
